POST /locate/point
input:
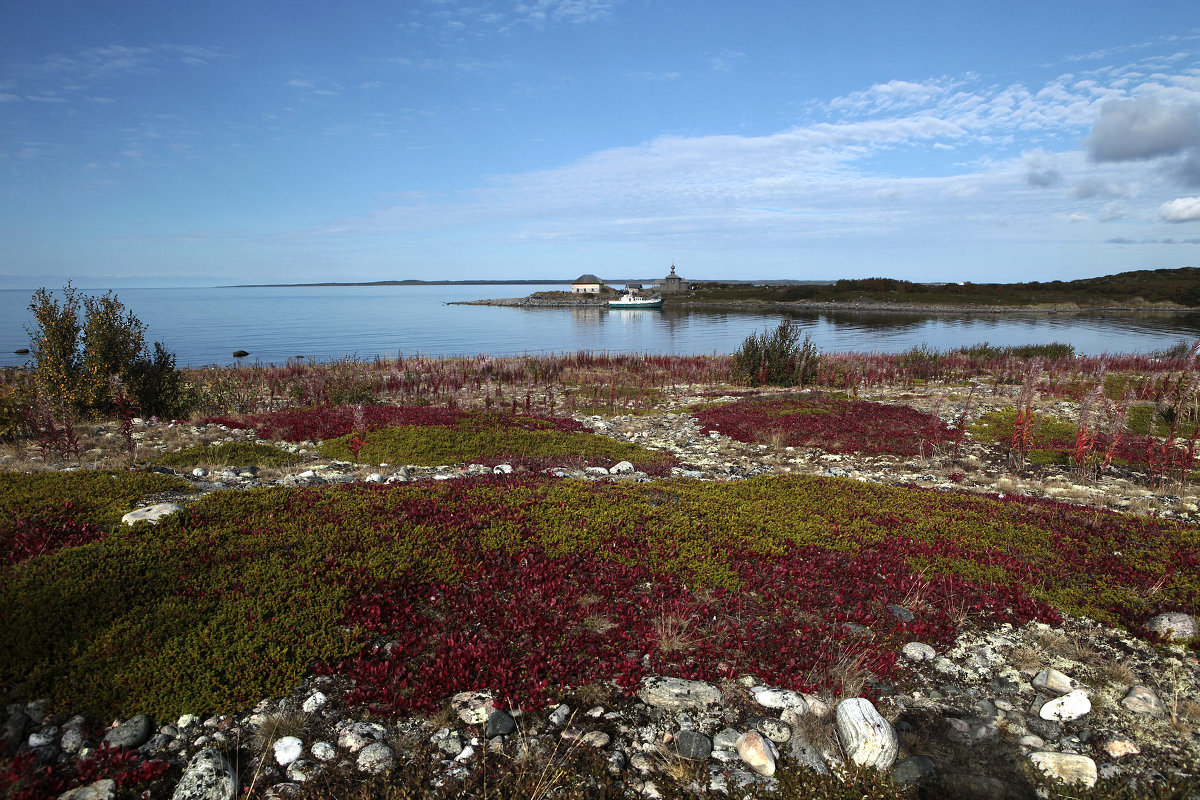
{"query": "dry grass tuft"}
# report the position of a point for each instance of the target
(598, 624)
(1051, 640)
(821, 732)
(1111, 672)
(276, 726)
(589, 599)
(1026, 658)
(444, 717)
(672, 633)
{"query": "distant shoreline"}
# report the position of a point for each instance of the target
(809, 305)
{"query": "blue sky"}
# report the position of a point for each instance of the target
(164, 144)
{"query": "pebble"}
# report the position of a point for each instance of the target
(1054, 681)
(313, 702)
(499, 723)
(758, 752)
(473, 708)
(918, 651)
(1121, 746)
(287, 749)
(778, 698)
(776, 730)
(358, 735)
(134, 732)
(104, 789)
(1071, 705)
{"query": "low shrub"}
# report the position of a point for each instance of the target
(778, 358)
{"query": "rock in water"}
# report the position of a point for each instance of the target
(758, 752)
(867, 737)
(208, 777)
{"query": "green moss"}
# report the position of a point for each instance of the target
(229, 454)
(996, 427)
(413, 444)
(99, 497)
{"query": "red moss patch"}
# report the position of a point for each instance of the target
(834, 424)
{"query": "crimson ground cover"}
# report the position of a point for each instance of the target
(528, 585)
(833, 423)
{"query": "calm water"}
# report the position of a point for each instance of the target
(204, 326)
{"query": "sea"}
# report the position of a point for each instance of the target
(204, 326)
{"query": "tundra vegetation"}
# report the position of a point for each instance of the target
(532, 585)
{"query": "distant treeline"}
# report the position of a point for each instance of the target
(1126, 289)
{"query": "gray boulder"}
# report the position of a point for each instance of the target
(133, 732)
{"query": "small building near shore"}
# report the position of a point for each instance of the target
(673, 283)
(586, 284)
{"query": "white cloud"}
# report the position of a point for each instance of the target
(1181, 209)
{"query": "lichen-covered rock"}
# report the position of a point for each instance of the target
(1173, 625)
(1054, 681)
(866, 736)
(1066, 767)
(1142, 700)
(375, 758)
(677, 694)
(778, 698)
(693, 745)
(473, 708)
(208, 777)
(151, 514)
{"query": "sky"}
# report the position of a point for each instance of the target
(145, 143)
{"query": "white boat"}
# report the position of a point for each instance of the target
(631, 299)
